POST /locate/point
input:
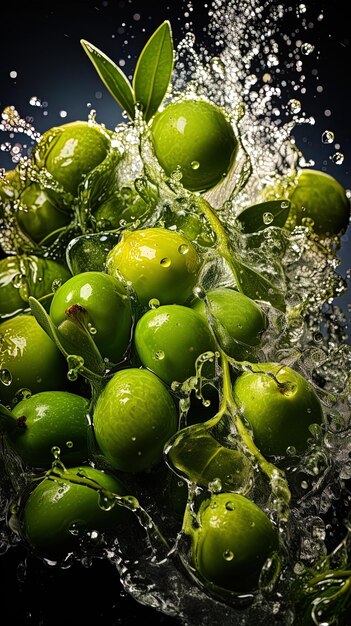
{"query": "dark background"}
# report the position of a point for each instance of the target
(40, 42)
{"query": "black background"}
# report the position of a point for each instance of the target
(40, 41)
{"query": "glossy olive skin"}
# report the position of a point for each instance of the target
(22, 276)
(196, 136)
(29, 359)
(159, 263)
(169, 339)
(101, 301)
(125, 206)
(232, 542)
(38, 216)
(323, 199)
(237, 320)
(56, 507)
(279, 413)
(51, 419)
(134, 417)
(69, 152)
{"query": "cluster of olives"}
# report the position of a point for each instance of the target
(140, 329)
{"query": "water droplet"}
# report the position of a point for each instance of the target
(183, 248)
(228, 555)
(294, 105)
(215, 485)
(56, 284)
(328, 136)
(165, 262)
(159, 355)
(268, 218)
(106, 501)
(69, 444)
(56, 451)
(5, 377)
(154, 303)
(338, 158)
(92, 329)
(284, 204)
(230, 505)
(195, 165)
(307, 48)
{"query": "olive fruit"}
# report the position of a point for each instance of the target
(279, 405)
(237, 321)
(134, 417)
(159, 263)
(197, 137)
(169, 339)
(70, 151)
(102, 305)
(22, 276)
(38, 216)
(232, 541)
(58, 510)
(321, 198)
(48, 420)
(29, 359)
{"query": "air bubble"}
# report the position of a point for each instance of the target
(268, 218)
(159, 355)
(328, 136)
(338, 158)
(195, 165)
(5, 377)
(228, 555)
(154, 303)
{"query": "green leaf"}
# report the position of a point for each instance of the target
(154, 70)
(256, 286)
(67, 338)
(260, 216)
(196, 455)
(113, 78)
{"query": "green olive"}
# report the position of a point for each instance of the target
(195, 136)
(29, 359)
(47, 420)
(58, 510)
(102, 305)
(69, 152)
(169, 339)
(159, 263)
(237, 320)
(134, 417)
(232, 541)
(280, 405)
(22, 276)
(38, 216)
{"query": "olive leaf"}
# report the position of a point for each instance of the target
(256, 286)
(196, 454)
(113, 78)
(151, 77)
(154, 70)
(68, 337)
(260, 216)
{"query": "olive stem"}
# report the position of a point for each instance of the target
(223, 247)
(228, 404)
(340, 573)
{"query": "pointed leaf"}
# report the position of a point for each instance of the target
(260, 216)
(154, 70)
(256, 286)
(113, 78)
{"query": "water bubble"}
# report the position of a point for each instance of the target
(294, 105)
(69, 444)
(230, 505)
(228, 555)
(159, 355)
(284, 204)
(328, 136)
(307, 48)
(154, 303)
(183, 248)
(92, 329)
(195, 165)
(215, 485)
(268, 218)
(166, 262)
(199, 292)
(56, 451)
(5, 377)
(338, 158)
